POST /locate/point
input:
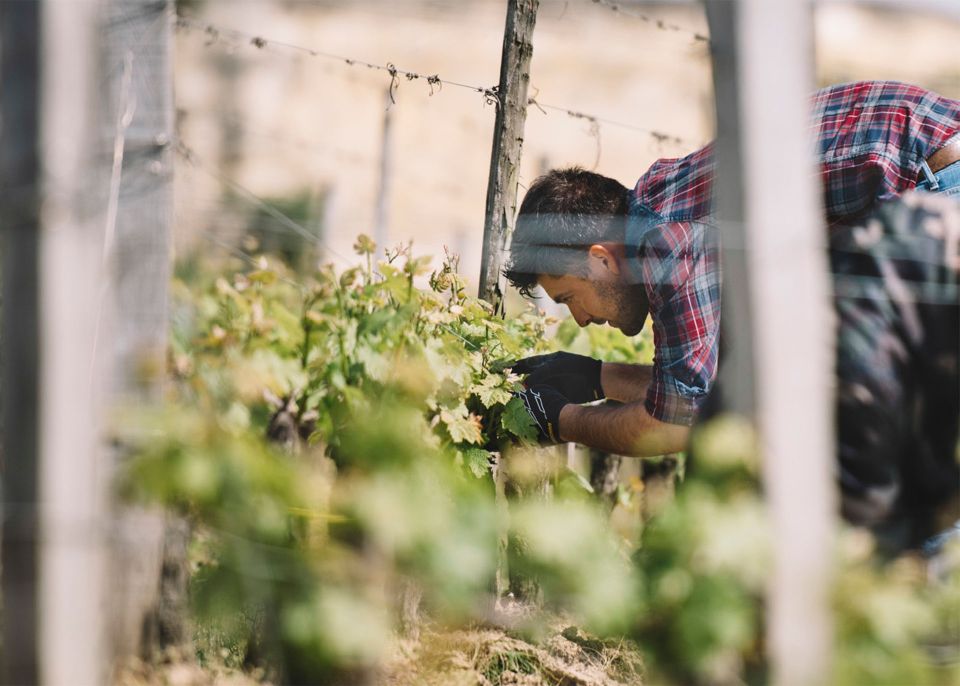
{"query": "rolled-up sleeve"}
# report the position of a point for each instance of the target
(681, 269)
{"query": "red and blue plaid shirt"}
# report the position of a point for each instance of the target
(871, 140)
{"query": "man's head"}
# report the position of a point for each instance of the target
(569, 240)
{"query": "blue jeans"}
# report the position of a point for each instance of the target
(946, 181)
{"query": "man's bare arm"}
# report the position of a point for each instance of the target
(623, 430)
(625, 383)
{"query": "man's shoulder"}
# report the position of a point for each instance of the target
(677, 189)
(868, 105)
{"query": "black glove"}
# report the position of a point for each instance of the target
(544, 405)
(576, 377)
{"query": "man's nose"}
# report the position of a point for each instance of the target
(580, 317)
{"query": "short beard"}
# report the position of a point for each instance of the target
(630, 303)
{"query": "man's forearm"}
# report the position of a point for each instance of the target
(625, 383)
(623, 430)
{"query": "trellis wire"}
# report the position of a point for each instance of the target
(619, 8)
(490, 94)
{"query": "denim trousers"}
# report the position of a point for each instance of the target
(945, 181)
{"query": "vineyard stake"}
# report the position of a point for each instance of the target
(511, 99)
(777, 285)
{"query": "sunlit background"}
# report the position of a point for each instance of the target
(308, 131)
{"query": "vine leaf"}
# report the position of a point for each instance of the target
(518, 421)
(477, 460)
(462, 427)
(491, 392)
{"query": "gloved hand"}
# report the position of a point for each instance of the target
(544, 404)
(576, 377)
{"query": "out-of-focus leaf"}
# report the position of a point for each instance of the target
(516, 420)
(463, 427)
(477, 461)
(491, 391)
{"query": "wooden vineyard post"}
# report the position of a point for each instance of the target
(381, 226)
(763, 83)
(511, 98)
(54, 508)
(20, 222)
(736, 374)
(147, 557)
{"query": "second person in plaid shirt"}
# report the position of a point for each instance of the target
(614, 256)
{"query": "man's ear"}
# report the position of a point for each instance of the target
(605, 256)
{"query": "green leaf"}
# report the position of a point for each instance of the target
(417, 266)
(491, 392)
(517, 421)
(364, 245)
(477, 460)
(462, 427)
(264, 276)
(376, 365)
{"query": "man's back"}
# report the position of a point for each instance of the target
(871, 138)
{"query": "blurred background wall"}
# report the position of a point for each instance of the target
(306, 133)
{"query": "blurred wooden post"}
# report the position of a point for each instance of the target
(507, 143)
(736, 374)
(381, 227)
(73, 487)
(53, 210)
(768, 78)
(20, 223)
(138, 251)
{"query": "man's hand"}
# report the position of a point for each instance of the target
(576, 377)
(544, 405)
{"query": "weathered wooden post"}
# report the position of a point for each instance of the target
(511, 96)
(139, 34)
(763, 77)
(20, 208)
(381, 226)
(52, 205)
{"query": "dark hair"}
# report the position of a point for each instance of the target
(564, 212)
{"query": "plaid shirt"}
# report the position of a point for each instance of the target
(871, 140)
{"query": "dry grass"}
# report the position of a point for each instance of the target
(491, 657)
(482, 656)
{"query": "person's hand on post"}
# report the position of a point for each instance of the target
(576, 377)
(544, 405)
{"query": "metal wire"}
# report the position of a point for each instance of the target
(215, 34)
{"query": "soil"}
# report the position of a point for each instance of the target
(493, 657)
(481, 656)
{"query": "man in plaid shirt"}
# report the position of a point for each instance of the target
(613, 256)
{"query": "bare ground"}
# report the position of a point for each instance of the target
(491, 657)
(479, 656)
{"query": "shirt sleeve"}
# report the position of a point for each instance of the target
(681, 270)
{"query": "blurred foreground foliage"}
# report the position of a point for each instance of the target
(330, 440)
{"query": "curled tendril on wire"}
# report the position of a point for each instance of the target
(394, 82)
(491, 96)
(435, 81)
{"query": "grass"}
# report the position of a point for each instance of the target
(510, 661)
